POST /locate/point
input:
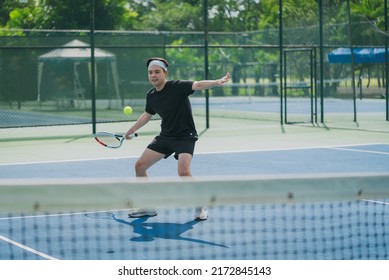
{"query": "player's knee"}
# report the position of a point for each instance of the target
(184, 165)
(140, 168)
(184, 172)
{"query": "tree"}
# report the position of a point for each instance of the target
(6, 6)
(164, 15)
(69, 15)
(234, 15)
(367, 21)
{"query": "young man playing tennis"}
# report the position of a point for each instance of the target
(170, 100)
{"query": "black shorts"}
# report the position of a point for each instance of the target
(170, 145)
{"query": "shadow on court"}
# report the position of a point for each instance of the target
(151, 231)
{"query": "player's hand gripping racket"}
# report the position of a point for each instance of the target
(111, 140)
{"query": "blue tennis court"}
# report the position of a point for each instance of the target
(313, 231)
(355, 229)
(334, 159)
(234, 106)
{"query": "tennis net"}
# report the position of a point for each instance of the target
(301, 218)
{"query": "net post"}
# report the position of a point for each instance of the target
(311, 81)
(321, 61)
(93, 64)
(386, 61)
(285, 92)
(281, 61)
(206, 62)
(352, 60)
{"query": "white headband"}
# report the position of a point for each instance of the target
(158, 63)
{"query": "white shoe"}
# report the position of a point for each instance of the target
(201, 214)
(138, 213)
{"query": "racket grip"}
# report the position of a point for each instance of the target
(133, 135)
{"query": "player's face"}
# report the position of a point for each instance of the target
(157, 76)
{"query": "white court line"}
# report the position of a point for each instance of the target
(64, 161)
(43, 255)
(26, 248)
(376, 201)
(63, 214)
(292, 149)
(200, 153)
(358, 150)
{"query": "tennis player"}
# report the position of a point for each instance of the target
(170, 100)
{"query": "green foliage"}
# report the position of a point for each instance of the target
(6, 6)
(21, 17)
(370, 12)
(67, 14)
(239, 22)
(167, 15)
(234, 15)
(269, 17)
(187, 15)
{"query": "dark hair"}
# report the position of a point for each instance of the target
(157, 58)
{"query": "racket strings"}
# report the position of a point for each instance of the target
(109, 140)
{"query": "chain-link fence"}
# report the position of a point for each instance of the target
(49, 76)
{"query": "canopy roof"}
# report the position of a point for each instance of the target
(361, 55)
(76, 51)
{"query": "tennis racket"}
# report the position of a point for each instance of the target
(111, 140)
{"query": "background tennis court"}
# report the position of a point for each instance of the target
(290, 69)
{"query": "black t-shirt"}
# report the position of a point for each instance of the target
(173, 106)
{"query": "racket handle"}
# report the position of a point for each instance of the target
(133, 135)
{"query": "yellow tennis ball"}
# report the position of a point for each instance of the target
(127, 110)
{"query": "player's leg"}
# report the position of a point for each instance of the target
(184, 150)
(184, 161)
(146, 160)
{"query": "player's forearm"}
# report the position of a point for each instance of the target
(142, 120)
(206, 84)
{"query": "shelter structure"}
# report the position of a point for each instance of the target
(361, 55)
(77, 52)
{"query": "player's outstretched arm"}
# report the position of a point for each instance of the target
(142, 120)
(205, 84)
